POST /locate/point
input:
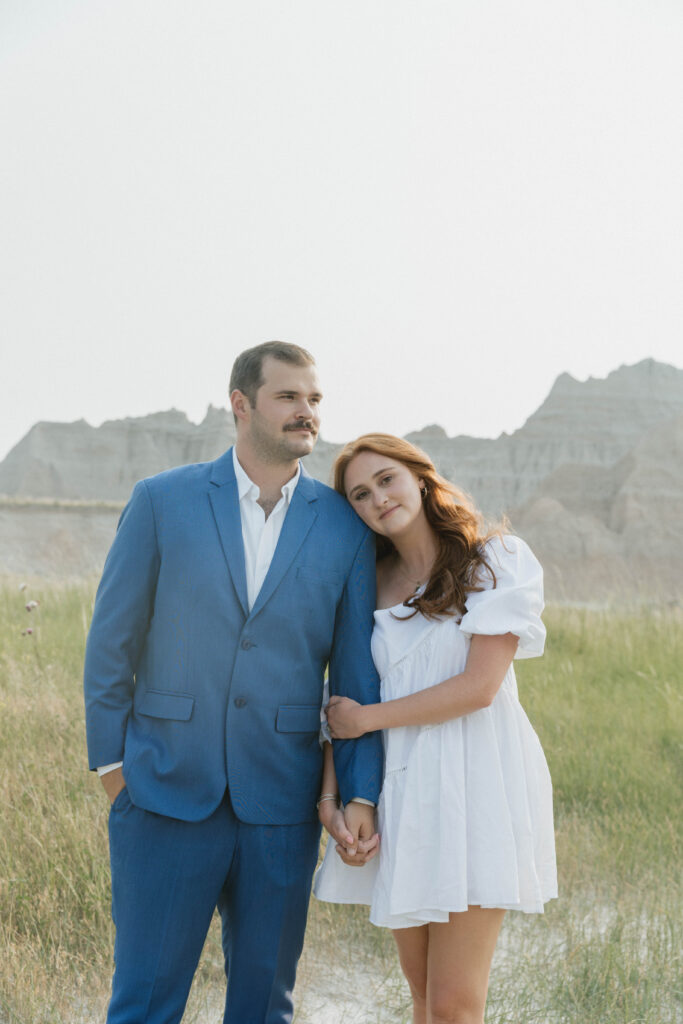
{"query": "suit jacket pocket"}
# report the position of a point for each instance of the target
(165, 704)
(301, 718)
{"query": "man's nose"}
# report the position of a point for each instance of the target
(305, 410)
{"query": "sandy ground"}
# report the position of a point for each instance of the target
(359, 995)
(325, 1000)
(369, 999)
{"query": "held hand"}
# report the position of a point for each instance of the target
(360, 821)
(113, 783)
(332, 817)
(344, 718)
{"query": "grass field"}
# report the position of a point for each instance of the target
(606, 702)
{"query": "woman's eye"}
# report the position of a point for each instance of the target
(361, 495)
(386, 479)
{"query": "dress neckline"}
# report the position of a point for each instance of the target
(402, 604)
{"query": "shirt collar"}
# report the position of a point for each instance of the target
(247, 488)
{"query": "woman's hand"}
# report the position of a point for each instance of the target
(353, 851)
(331, 816)
(344, 717)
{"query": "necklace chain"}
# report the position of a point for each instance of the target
(416, 583)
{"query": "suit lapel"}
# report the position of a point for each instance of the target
(226, 510)
(301, 515)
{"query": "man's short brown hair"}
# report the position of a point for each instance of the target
(247, 370)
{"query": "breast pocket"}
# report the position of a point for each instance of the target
(317, 593)
(322, 576)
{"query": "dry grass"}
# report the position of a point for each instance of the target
(606, 701)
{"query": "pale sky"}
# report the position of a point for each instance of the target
(449, 203)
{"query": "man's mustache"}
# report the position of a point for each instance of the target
(301, 425)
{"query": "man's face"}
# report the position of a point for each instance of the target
(284, 422)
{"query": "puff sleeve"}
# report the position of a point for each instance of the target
(515, 604)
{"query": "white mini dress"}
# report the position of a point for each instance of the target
(465, 814)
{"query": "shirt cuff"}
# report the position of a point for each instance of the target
(109, 768)
(361, 800)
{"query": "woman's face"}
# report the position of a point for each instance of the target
(384, 493)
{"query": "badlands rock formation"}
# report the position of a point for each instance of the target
(593, 480)
(77, 461)
(592, 425)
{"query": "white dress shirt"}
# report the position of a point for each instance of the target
(260, 535)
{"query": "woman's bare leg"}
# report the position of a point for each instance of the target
(412, 952)
(459, 955)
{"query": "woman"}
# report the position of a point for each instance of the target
(465, 813)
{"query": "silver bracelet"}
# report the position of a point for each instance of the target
(327, 796)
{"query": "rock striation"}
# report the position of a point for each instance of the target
(592, 425)
(593, 480)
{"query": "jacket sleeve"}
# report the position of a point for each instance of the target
(358, 763)
(123, 609)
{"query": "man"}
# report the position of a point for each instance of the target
(228, 589)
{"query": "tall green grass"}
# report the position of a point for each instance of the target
(606, 702)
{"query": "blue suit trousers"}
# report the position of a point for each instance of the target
(168, 876)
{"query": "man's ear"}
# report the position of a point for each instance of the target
(241, 406)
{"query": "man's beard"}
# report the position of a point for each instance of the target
(285, 448)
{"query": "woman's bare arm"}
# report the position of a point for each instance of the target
(474, 688)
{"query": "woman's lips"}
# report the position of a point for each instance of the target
(388, 512)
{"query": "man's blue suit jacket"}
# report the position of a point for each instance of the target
(191, 690)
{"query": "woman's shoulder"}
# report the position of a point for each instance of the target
(509, 596)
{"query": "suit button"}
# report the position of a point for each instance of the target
(247, 645)
(239, 702)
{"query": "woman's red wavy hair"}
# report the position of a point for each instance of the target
(459, 527)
